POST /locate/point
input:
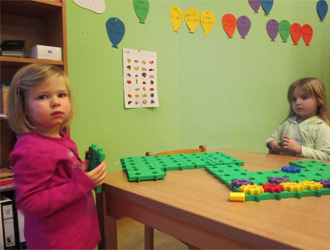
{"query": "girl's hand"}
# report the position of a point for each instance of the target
(84, 165)
(274, 147)
(291, 145)
(97, 175)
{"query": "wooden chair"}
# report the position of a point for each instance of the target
(201, 149)
(149, 231)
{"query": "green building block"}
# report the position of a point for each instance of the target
(225, 168)
(309, 164)
(95, 156)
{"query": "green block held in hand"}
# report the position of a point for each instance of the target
(95, 156)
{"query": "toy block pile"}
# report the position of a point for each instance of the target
(299, 179)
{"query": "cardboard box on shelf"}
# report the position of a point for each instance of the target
(46, 52)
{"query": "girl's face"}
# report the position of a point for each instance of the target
(48, 106)
(303, 104)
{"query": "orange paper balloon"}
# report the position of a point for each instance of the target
(192, 18)
(295, 30)
(307, 33)
(229, 24)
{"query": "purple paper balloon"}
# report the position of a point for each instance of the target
(272, 29)
(243, 25)
(255, 5)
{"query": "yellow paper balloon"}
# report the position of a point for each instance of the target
(208, 21)
(192, 18)
(176, 15)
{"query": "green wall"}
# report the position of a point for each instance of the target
(213, 90)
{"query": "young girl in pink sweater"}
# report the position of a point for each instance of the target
(52, 188)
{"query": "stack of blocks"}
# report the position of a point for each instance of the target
(300, 179)
(95, 156)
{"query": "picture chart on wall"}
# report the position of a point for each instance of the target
(140, 78)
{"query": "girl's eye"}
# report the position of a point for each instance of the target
(62, 95)
(42, 97)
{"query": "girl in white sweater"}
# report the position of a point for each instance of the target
(306, 131)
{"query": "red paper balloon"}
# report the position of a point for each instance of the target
(295, 30)
(229, 24)
(307, 33)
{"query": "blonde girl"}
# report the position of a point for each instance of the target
(51, 186)
(306, 131)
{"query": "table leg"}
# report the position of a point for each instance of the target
(101, 215)
(108, 225)
(111, 237)
(148, 238)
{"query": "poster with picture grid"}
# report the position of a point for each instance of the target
(140, 78)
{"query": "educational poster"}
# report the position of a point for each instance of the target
(140, 78)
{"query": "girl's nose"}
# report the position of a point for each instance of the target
(55, 102)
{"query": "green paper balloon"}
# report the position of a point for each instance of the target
(284, 29)
(141, 8)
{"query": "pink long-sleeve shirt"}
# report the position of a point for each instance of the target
(54, 194)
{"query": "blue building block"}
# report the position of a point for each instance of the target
(290, 169)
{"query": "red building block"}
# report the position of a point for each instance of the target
(272, 187)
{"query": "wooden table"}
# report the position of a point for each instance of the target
(194, 207)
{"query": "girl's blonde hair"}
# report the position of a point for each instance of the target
(313, 87)
(26, 78)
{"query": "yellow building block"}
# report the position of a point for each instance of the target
(292, 186)
(251, 189)
(311, 185)
(237, 196)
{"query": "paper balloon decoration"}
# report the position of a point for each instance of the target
(229, 24)
(295, 30)
(116, 30)
(141, 8)
(98, 6)
(207, 21)
(267, 5)
(192, 18)
(255, 5)
(307, 33)
(243, 25)
(322, 8)
(272, 29)
(284, 29)
(176, 15)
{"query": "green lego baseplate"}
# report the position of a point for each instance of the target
(95, 156)
(299, 179)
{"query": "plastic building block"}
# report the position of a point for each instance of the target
(145, 174)
(300, 179)
(95, 156)
(236, 196)
(291, 169)
(251, 189)
(278, 180)
(240, 182)
(309, 164)
(272, 188)
(311, 185)
(325, 183)
(292, 186)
